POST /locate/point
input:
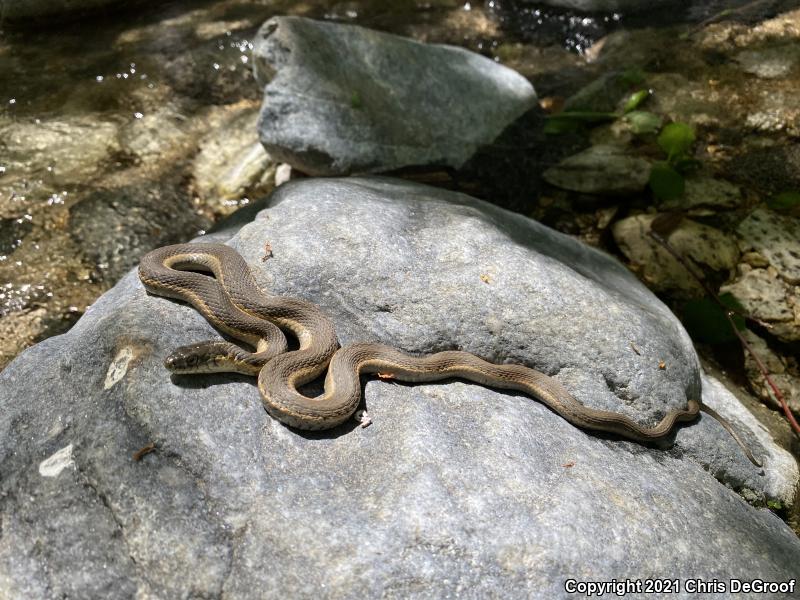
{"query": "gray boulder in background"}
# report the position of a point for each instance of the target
(455, 490)
(342, 99)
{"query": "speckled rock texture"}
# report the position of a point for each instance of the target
(768, 298)
(780, 370)
(777, 238)
(601, 169)
(342, 99)
(455, 490)
(768, 280)
(703, 244)
(705, 196)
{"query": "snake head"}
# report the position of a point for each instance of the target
(204, 357)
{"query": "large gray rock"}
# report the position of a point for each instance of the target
(455, 490)
(342, 99)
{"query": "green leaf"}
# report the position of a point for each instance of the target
(355, 101)
(643, 122)
(676, 139)
(784, 201)
(635, 99)
(569, 121)
(666, 182)
(705, 320)
(775, 504)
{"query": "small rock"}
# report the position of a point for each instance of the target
(232, 163)
(283, 174)
(604, 169)
(787, 382)
(775, 111)
(768, 298)
(156, 136)
(662, 271)
(337, 98)
(704, 193)
(754, 259)
(71, 148)
(770, 63)
(777, 238)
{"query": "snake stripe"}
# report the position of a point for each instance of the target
(232, 301)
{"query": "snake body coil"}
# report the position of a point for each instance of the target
(232, 301)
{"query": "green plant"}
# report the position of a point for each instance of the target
(667, 176)
(572, 120)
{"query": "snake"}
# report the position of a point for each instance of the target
(217, 281)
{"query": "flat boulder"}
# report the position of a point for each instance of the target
(117, 480)
(341, 99)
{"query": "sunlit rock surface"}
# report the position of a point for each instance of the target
(342, 99)
(455, 489)
(701, 243)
